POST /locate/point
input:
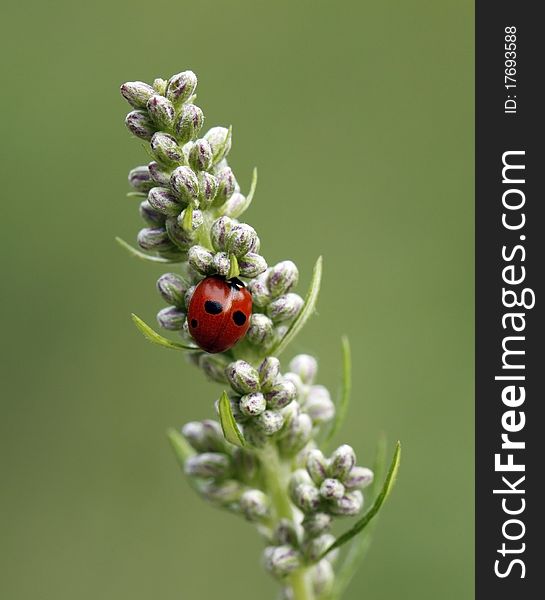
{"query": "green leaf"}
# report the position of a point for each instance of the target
(344, 399)
(220, 150)
(228, 424)
(308, 309)
(362, 523)
(181, 448)
(187, 222)
(233, 267)
(136, 195)
(154, 337)
(138, 254)
(244, 206)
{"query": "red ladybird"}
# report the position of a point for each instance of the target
(219, 313)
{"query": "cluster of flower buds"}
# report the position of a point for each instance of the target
(223, 474)
(189, 176)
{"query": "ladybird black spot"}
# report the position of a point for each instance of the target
(212, 307)
(194, 323)
(239, 318)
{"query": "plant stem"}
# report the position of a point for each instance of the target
(277, 473)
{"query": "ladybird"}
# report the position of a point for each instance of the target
(219, 313)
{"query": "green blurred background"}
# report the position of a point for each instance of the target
(359, 116)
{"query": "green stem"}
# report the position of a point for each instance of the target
(277, 473)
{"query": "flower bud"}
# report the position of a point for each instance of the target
(139, 179)
(181, 87)
(181, 238)
(331, 489)
(298, 477)
(268, 370)
(242, 377)
(197, 219)
(137, 93)
(235, 206)
(150, 215)
(223, 493)
(159, 174)
(298, 434)
(172, 288)
(270, 422)
(171, 318)
(219, 139)
(241, 240)
(189, 123)
(254, 505)
(185, 184)
(285, 533)
(200, 155)
(201, 259)
(153, 239)
(258, 288)
(208, 464)
(251, 265)
(317, 466)
(219, 231)
(306, 497)
(221, 263)
(188, 295)
(280, 561)
(252, 404)
(358, 478)
(164, 201)
(282, 278)
(317, 523)
(322, 578)
(161, 112)
(260, 331)
(226, 184)
(208, 186)
(281, 394)
(254, 436)
(139, 124)
(160, 86)
(285, 308)
(318, 404)
(349, 505)
(213, 367)
(317, 546)
(165, 149)
(342, 461)
(305, 366)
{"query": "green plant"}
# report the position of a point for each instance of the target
(261, 459)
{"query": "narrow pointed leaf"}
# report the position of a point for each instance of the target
(344, 398)
(187, 223)
(156, 338)
(143, 256)
(377, 504)
(136, 195)
(245, 205)
(233, 267)
(228, 424)
(308, 309)
(182, 449)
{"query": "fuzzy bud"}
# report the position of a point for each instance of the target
(317, 466)
(213, 367)
(318, 404)
(189, 123)
(185, 184)
(160, 86)
(197, 219)
(137, 93)
(358, 478)
(165, 149)
(285, 533)
(349, 505)
(139, 124)
(201, 259)
(161, 112)
(181, 238)
(181, 87)
(318, 545)
(140, 179)
(261, 295)
(200, 155)
(252, 265)
(189, 294)
(298, 434)
(322, 578)
(221, 263)
(317, 523)
(342, 461)
(268, 370)
(219, 231)
(254, 505)
(219, 139)
(298, 477)
(153, 239)
(164, 201)
(226, 184)
(270, 422)
(150, 215)
(252, 404)
(280, 561)
(260, 331)
(159, 174)
(281, 394)
(282, 278)
(285, 308)
(241, 240)
(208, 186)
(305, 366)
(223, 493)
(171, 318)
(306, 497)
(331, 489)
(235, 206)
(208, 464)
(172, 288)
(242, 377)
